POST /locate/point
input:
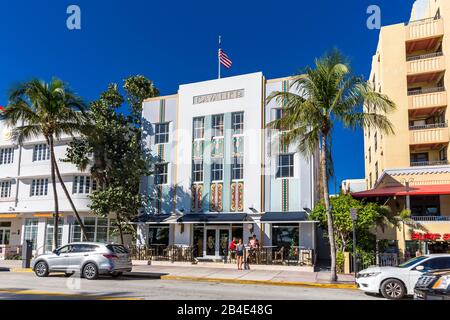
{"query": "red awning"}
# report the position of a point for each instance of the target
(401, 191)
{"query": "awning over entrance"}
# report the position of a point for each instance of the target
(401, 191)
(284, 217)
(218, 218)
(152, 218)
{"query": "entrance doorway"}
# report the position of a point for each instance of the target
(216, 241)
(5, 233)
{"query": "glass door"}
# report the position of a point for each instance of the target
(5, 234)
(224, 236)
(211, 242)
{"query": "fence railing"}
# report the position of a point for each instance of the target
(424, 56)
(291, 256)
(429, 126)
(163, 253)
(428, 163)
(425, 91)
(382, 260)
(430, 218)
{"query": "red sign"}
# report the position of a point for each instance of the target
(430, 236)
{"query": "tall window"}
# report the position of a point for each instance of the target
(285, 166)
(31, 231)
(5, 189)
(376, 141)
(161, 133)
(237, 169)
(41, 152)
(376, 171)
(238, 122)
(199, 128)
(217, 125)
(278, 113)
(39, 187)
(50, 234)
(197, 171)
(81, 185)
(370, 155)
(161, 173)
(6, 155)
(217, 170)
(370, 180)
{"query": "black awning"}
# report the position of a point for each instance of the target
(213, 218)
(284, 217)
(151, 218)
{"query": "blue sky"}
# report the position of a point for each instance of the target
(175, 42)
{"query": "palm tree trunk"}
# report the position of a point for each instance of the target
(55, 194)
(80, 222)
(326, 197)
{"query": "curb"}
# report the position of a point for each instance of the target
(265, 282)
(20, 270)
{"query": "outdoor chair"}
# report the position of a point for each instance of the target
(279, 255)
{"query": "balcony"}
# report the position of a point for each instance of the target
(429, 134)
(424, 29)
(431, 218)
(428, 163)
(425, 68)
(426, 101)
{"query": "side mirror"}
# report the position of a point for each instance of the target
(420, 268)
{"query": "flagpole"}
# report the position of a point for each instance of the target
(218, 57)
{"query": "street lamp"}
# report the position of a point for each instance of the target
(354, 217)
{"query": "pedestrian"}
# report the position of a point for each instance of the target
(232, 248)
(418, 253)
(240, 249)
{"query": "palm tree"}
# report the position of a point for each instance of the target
(36, 108)
(317, 99)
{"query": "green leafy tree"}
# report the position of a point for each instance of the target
(319, 98)
(118, 161)
(50, 110)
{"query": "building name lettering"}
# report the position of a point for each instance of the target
(219, 96)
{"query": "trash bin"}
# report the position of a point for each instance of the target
(27, 253)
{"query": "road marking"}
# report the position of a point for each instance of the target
(68, 295)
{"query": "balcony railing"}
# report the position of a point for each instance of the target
(429, 126)
(426, 28)
(425, 56)
(425, 91)
(431, 218)
(428, 163)
(428, 65)
(429, 136)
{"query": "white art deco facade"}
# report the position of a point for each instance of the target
(220, 174)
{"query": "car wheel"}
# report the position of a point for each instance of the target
(41, 269)
(393, 289)
(116, 274)
(90, 271)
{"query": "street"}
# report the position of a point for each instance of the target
(25, 285)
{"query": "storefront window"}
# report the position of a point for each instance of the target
(198, 241)
(158, 235)
(285, 235)
(31, 231)
(97, 230)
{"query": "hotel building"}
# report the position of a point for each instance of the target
(26, 197)
(410, 169)
(220, 174)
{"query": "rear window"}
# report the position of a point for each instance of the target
(117, 248)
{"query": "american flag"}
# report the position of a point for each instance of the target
(224, 60)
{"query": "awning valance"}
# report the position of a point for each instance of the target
(284, 217)
(152, 218)
(401, 191)
(211, 218)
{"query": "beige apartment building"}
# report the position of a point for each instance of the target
(410, 169)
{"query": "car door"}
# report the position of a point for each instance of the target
(78, 255)
(59, 259)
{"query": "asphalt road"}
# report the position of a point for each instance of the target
(27, 286)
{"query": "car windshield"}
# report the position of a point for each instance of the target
(412, 262)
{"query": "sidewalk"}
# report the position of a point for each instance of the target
(267, 277)
(217, 273)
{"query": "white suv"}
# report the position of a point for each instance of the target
(396, 282)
